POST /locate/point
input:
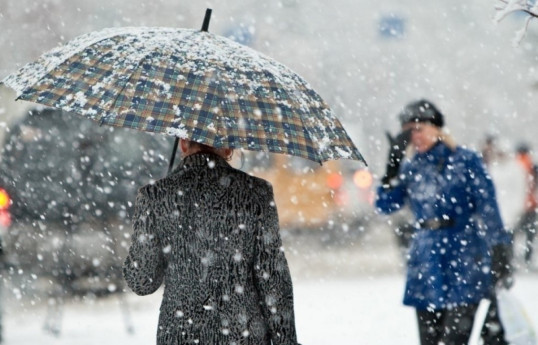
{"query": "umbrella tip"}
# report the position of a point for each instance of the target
(205, 25)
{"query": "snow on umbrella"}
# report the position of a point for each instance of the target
(189, 84)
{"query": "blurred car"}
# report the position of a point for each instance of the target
(336, 195)
(67, 191)
(68, 186)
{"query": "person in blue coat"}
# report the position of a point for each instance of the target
(460, 249)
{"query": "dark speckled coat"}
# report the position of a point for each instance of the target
(210, 233)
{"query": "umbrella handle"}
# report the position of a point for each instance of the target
(173, 157)
(205, 25)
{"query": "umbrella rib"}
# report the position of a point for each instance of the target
(113, 103)
(47, 70)
(291, 96)
(306, 113)
(144, 57)
(95, 64)
(278, 104)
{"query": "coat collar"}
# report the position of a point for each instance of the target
(202, 159)
(438, 153)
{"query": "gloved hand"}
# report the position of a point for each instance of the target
(396, 154)
(501, 266)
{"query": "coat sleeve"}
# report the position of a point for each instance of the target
(272, 275)
(390, 199)
(485, 200)
(143, 269)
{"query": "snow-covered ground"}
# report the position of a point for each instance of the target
(344, 295)
(364, 310)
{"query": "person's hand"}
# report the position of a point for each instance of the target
(397, 148)
(501, 267)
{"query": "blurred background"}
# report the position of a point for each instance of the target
(367, 59)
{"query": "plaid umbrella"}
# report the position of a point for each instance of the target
(190, 84)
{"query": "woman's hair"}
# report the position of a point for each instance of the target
(207, 149)
(202, 147)
(444, 137)
(448, 140)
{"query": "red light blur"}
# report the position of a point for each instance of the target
(5, 218)
(341, 198)
(334, 180)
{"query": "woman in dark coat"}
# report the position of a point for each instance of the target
(210, 233)
(458, 228)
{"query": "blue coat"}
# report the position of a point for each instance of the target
(449, 266)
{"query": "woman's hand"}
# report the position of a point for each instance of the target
(397, 149)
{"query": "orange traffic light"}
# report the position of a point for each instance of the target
(363, 179)
(5, 200)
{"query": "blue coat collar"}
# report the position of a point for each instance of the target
(437, 154)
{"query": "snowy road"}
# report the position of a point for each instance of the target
(344, 312)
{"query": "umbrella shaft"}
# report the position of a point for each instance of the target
(173, 157)
(205, 25)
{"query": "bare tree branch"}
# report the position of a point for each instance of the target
(505, 7)
(510, 6)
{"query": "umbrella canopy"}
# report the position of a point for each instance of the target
(190, 84)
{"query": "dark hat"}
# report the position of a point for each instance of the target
(523, 148)
(421, 111)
